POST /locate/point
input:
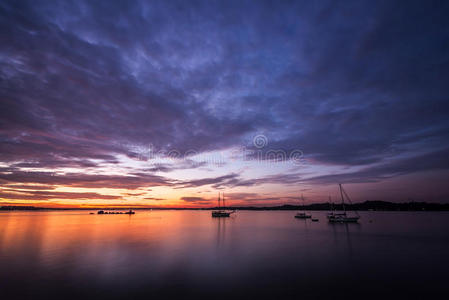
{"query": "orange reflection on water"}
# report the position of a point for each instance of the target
(70, 252)
(83, 239)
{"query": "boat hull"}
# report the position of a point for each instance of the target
(343, 219)
(220, 214)
(303, 217)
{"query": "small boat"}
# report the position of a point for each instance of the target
(102, 212)
(221, 213)
(315, 220)
(342, 217)
(302, 214)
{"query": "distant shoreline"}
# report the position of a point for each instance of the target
(363, 206)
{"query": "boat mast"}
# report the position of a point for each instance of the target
(224, 205)
(303, 202)
(342, 199)
(218, 199)
(350, 201)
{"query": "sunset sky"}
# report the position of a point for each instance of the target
(166, 103)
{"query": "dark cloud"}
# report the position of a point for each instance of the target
(134, 194)
(195, 200)
(271, 179)
(215, 181)
(353, 83)
(85, 180)
(433, 161)
(437, 160)
(177, 164)
(235, 180)
(66, 96)
(28, 187)
(46, 195)
(153, 198)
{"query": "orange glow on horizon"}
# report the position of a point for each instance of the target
(69, 197)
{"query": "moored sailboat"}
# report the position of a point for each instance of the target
(303, 214)
(221, 213)
(342, 217)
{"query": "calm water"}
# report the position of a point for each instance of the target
(187, 254)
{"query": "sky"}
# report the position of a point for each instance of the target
(168, 103)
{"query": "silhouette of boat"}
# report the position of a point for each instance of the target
(302, 214)
(102, 212)
(342, 217)
(221, 213)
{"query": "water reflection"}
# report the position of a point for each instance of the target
(342, 233)
(221, 230)
(252, 254)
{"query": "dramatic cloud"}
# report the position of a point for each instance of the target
(153, 198)
(216, 181)
(44, 195)
(85, 180)
(427, 162)
(104, 85)
(196, 200)
(28, 187)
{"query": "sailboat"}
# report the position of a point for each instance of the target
(335, 217)
(221, 213)
(302, 214)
